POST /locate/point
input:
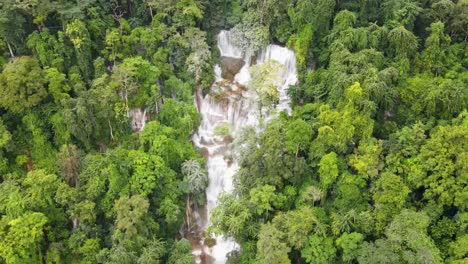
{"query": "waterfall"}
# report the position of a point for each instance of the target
(138, 119)
(230, 105)
(226, 47)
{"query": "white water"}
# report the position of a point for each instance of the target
(138, 119)
(238, 109)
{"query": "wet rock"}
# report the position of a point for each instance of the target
(205, 152)
(228, 139)
(230, 67)
(210, 242)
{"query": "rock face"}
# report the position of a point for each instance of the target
(230, 67)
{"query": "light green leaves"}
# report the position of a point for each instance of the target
(22, 85)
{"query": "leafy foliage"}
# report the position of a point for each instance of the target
(370, 167)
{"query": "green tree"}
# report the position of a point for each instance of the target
(57, 84)
(250, 34)
(153, 252)
(265, 82)
(298, 224)
(379, 252)
(135, 78)
(80, 37)
(328, 170)
(319, 250)
(408, 231)
(434, 56)
(22, 85)
(11, 26)
(131, 212)
(22, 238)
(199, 59)
(390, 196)
(197, 176)
(231, 217)
(443, 164)
(263, 198)
(297, 136)
(270, 247)
(69, 161)
(181, 253)
(350, 244)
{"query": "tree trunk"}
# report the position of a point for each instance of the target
(187, 212)
(12, 55)
(151, 13)
(111, 133)
(29, 163)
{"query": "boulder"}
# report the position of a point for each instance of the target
(230, 67)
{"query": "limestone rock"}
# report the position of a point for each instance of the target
(230, 67)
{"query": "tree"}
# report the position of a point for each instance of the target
(135, 79)
(80, 37)
(319, 250)
(443, 164)
(41, 189)
(11, 26)
(197, 176)
(149, 173)
(298, 224)
(153, 252)
(312, 194)
(57, 84)
(270, 247)
(367, 159)
(344, 222)
(50, 51)
(402, 41)
(39, 149)
(22, 85)
(131, 212)
(408, 231)
(263, 198)
(302, 44)
(328, 170)
(350, 244)
(341, 128)
(425, 96)
(458, 249)
(181, 254)
(297, 136)
(265, 82)
(390, 195)
(231, 217)
(434, 57)
(69, 161)
(250, 35)
(378, 252)
(199, 59)
(22, 238)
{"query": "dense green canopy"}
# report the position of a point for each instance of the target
(371, 167)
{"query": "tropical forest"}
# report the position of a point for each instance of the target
(233, 131)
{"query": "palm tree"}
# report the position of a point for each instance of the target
(197, 176)
(197, 180)
(343, 222)
(313, 194)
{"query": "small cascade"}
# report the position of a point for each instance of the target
(288, 59)
(138, 119)
(229, 105)
(226, 47)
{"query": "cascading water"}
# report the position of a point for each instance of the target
(230, 106)
(138, 119)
